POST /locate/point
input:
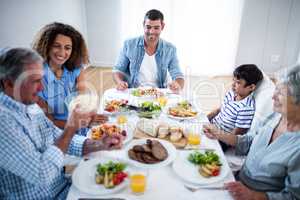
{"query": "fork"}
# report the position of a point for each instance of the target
(194, 189)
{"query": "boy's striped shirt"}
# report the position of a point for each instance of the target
(235, 114)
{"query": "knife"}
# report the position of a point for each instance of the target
(197, 149)
(101, 199)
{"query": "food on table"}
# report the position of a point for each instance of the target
(208, 170)
(110, 174)
(148, 126)
(148, 109)
(162, 100)
(121, 119)
(138, 183)
(209, 163)
(116, 105)
(140, 92)
(150, 153)
(161, 130)
(176, 133)
(194, 139)
(182, 109)
(109, 129)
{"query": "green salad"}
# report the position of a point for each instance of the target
(112, 167)
(209, 157)
(149, 109)
(136, 93)
(149, 106)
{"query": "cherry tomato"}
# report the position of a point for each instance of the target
(215, 172)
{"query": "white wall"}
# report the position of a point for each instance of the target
(104, 29)
(270, 33)
(269, 37)
(20, 20)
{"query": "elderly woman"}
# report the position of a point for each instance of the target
(272, 168)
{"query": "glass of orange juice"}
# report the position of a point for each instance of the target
(162, 100)
(121, 119)
(193, 139)
(138, 182)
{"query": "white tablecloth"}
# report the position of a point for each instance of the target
(162, 183)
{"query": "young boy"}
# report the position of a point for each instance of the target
(238, 107)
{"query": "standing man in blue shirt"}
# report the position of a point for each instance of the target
(32, 147)
(147, 60)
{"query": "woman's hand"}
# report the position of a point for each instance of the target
(240, 192)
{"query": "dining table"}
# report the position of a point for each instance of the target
(163, 182)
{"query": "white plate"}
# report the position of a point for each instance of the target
(114, 112)
(189, 171)
(129, 128)
(168, 146)
(166, 111)
(84, 177)
(113, 93)
(117, 112)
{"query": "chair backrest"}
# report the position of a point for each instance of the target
(263, 98)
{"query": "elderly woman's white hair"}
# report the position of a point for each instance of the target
(291, 77)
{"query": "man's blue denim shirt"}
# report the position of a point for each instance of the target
(131, 57)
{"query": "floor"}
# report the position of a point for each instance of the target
(208, 90)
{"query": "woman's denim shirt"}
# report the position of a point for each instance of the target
(56, 91)
(131, 57)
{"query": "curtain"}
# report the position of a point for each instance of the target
(205, 32)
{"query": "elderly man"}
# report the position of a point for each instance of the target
(147, 60)
(32, 148)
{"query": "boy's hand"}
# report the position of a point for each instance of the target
(211, 131)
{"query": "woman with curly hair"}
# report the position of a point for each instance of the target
(65, 54)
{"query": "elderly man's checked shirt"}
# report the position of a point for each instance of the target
(31, 167)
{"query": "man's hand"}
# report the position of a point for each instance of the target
(110, 142)
(98, 119)
(211, 131)
(79, 119)
(240, 192)
(174, 86)
(107, 142)
(122, 85)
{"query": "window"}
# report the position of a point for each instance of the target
(205, 32)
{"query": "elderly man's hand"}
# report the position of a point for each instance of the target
(174, 86)
(240, 192)
(122, 85)
(110, 142)
(79, 119)
(211, 131)
(98, 119)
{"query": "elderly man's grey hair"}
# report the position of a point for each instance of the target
(291, 78)
(13, 62)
